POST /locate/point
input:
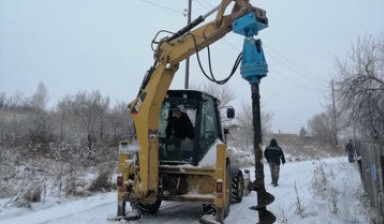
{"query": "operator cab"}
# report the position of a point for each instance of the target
(203, 112)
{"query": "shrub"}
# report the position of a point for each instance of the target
(103, 180)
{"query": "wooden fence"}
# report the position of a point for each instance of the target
(370, 158)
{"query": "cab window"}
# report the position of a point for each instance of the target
(209, 129)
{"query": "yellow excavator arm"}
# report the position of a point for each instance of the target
(168, 54)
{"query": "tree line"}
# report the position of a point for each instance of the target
(85, 119)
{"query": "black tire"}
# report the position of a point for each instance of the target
(237, 187)
(227, 204)
(147, 208)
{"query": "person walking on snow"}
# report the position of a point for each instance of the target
(273, 154)
(350, 151)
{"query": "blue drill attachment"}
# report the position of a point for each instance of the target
(253, 64)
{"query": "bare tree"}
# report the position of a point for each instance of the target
(39, 127)
(39, 123)
(3, 100)
(64, 115)
(245, 126)
(221, 92)
(360, 86)
(15, 101)
(40, 98)
(303, 132)
(89, 109)
(119, 122)
(303, 136)
(103, 109)
(24, 120)
(321, 126)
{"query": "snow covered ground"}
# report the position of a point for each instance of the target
(312, 192)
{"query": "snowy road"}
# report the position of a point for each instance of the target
(326, 205)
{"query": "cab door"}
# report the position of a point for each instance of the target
(210, 128)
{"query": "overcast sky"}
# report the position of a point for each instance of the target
(78, 45)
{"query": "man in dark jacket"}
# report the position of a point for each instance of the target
(350, 151)
(273, 154)
(179, 126)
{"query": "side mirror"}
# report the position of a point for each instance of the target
(230, 112)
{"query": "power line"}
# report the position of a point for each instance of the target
(163, 7)
(205, 5)
(293, 80)
(296, 71)
(297, 66)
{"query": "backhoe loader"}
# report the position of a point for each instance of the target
(155, 167)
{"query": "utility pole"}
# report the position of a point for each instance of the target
(334, 126)
(186, 81)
